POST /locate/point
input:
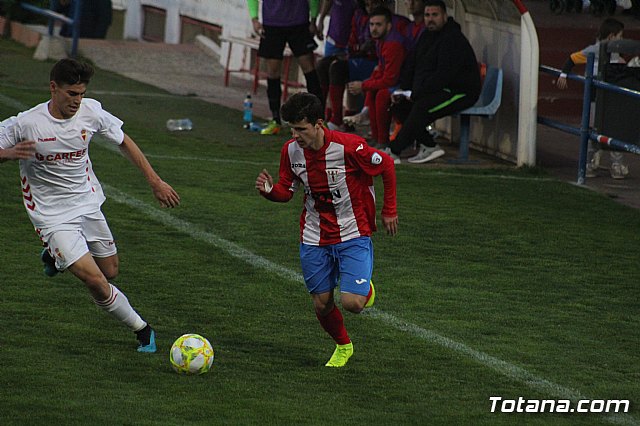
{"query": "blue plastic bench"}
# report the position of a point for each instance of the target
(486, 106)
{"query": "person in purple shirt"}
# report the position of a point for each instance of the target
(285, 22)
(340, 15)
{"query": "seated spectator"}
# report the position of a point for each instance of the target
(357, 65)
(336, 43)
(414, 31)
(360, 60)
(95, 17)
(443, 78)
(391, 53)
(357, 72)
(416, 26)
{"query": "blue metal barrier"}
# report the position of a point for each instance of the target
(584, 131)
(55, 16)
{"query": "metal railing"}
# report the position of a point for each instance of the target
(585, 131)
(55, 16)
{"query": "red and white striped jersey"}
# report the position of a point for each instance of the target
(58, 183)
(339, 197)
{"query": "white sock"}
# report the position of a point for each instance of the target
(118, 306)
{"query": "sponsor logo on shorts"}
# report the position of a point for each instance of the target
(361, 281)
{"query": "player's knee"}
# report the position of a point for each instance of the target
(111, 272)
(323, 309)
(354, 305)
(109, 267)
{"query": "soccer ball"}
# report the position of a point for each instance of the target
(191, 354)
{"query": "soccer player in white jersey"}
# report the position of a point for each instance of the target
(62, 195)
(336, 173)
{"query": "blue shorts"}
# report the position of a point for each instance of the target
(361, 69)
(351, 262)
(330, 49)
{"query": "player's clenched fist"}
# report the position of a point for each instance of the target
(264, 181)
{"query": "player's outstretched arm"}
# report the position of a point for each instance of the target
(163, 192)
(21, 151)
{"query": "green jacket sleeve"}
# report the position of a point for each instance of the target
(253, 8)
(314, 6)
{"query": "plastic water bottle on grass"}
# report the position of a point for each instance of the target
(175, 125)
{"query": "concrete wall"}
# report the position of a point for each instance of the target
(497, 44)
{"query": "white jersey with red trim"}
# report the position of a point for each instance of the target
(339, 201)
(58, 183)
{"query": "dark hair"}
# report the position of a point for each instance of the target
(437, 3)
(70, 71)
(608, 27)
(302, 106)
(381, 11)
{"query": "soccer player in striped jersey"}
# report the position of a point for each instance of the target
(61, 193)
(335, 171)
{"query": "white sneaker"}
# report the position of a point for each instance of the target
(426, 154)
(619, 171)
(396, 159)
(595, 160)
(361, 119)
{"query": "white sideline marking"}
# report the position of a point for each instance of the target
(111, 147)
(502, 367)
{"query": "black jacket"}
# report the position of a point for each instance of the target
(442, 60)
(95, 18)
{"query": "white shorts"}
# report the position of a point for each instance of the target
(68, 242)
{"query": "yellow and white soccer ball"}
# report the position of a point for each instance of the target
(191, 354)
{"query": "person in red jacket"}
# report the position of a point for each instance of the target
(390, 48)
(335, 171)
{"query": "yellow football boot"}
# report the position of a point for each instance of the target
(273, 128)
(341, 355)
